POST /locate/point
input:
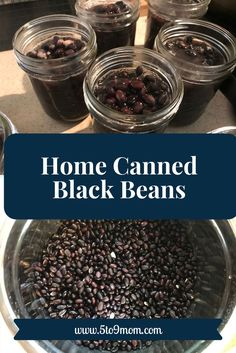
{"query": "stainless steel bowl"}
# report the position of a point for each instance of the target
(215, 246)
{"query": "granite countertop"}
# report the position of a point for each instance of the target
(19, 102)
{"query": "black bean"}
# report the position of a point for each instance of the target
(99, 295)
(139, 70)
(98, 274)
(62, 313)
(41, 54)
(53, 269)
(149, 99)
(123, 300)
(149, 78)
(121, 96)
(112, 286)
(69, 52)
(110, 91)
(135, 313)
(61, 307)
(126, 110)
(67, 253)
(137, 84)
(189, 39)
(80, 284)
(162, 100)
(138, 107)
(100, 306)
(81, 311)
(122, 84)
(32, 54)
(145, 267)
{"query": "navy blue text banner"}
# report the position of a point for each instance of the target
(115, 176)
(118, 329)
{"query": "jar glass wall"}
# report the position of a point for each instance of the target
(163, 11)
(58, 81)
(204, 54)
(113, 22)
(6, 129)
(225, 130)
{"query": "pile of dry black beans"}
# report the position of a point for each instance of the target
(115, 269)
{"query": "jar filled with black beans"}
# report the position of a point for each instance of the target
(204, 54)
(163, 11)
(113, 21)
(113, 269)
(132, 90)
(56, 52)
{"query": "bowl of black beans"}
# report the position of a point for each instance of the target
(118, 269)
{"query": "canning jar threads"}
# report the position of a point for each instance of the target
(163, 11)
(56, 52)
(114, 22)
(204, 54)
(132, 90)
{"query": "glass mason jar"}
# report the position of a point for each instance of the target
(200, 81)
(106, 119)
(163, 11)
(6, 129)
(214, 243)
(112, 29)
(58, 83)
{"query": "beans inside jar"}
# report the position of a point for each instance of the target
(133, 91)
(57, 47)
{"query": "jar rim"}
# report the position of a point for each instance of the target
(78, 8)
(144, 120)
(224, 130)
(122, 19)
(173, 26)
(180, 4)
(58, 62)
(7, 124)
